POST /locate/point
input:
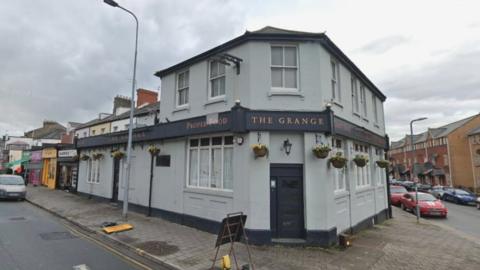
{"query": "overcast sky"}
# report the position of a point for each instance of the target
(65, 60)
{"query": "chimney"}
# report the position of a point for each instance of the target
(121, 104)
(145, 97)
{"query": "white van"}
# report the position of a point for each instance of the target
(12, 187)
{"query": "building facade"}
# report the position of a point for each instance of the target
(441, 156)
(288, 91)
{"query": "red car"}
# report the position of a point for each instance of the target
(396, 193)
(428, 205)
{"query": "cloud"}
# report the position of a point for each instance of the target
(383, 45)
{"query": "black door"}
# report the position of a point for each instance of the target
(116, 173)
(286, 201)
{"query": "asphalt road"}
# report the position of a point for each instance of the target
(33, 239)
(462, 218)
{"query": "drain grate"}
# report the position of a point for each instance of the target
(17, 218)
(57, 236)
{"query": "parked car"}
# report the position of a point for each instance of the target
(409, 185)
(12, 187)
(424, 188)
(459, 196)
(428, 205)
(396, 193)
(437, 191)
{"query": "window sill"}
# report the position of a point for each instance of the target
(376, 125)
(365, 119)
(341, 194)
(357, 115)
(207, 191)
(181, 108)
(285, 92)
(216, 100)
(364, 189)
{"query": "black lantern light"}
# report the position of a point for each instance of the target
(287, 146)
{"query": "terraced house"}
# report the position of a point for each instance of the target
(238, 125)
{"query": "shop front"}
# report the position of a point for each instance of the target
(67, 169)
(49, 175)
(35, 168)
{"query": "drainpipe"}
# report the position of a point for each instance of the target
(450, 165)
(473, 166)
(387, 148)
(150, 187)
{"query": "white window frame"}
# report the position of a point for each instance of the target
(210, 147)
(379, 172)
(93, 169)
(284, 67)
(211, 79)
(185, 88)
(339, 175)
(362, 174)
(355, 95)
(375, 109)
(363, 100)
(335, 80)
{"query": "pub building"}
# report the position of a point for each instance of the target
(238, 126)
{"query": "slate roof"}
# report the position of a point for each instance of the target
(269, 33)
(474, 131)
(144, 110)
(53, 130)
(439, 132)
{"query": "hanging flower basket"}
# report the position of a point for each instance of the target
(321, 151)
(97, 156)
(75, 158)
(260, 150)
(84, 157)
(118, 154)
(360, 160)
(153, 150)
(338, 161)
(383, 163)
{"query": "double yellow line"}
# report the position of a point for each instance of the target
(111, 250)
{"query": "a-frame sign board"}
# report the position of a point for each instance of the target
(233, 230)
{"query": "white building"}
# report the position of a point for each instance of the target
(284, 89)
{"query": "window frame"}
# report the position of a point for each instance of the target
(364, 180)
(335, 82)
(355, 95)
(375, 109)
(210, 148)
(340, 175)
(211, 79)
(363, 100)
(185, 88)
(283, 67)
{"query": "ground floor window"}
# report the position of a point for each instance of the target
(210, 162)
(362, 174)
(339, 175)
(93, 168)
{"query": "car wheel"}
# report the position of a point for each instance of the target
(403, 207)
(478, 206)
(456, 200)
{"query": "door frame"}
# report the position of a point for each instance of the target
(116, 171)
(274, 197)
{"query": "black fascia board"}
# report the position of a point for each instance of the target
(250, 36)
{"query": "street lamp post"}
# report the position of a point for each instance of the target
(417, 210)
(132, 108)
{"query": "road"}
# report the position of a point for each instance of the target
(462, 218)
(31, 238)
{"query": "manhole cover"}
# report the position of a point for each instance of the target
(158, 248)
(57, 236)
(17, 218)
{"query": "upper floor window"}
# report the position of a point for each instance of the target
(103, 130)
(363, 100)
(284, 67)
(115, 128)
(182, 87)
(93, 132)
(355, 98)
(375, 109)
(336, 95)
(217, 79)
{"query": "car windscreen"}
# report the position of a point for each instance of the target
(461, 192)
(425, 197)
(11, 180)
(398, 190)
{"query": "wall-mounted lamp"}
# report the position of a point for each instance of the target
(287, 146)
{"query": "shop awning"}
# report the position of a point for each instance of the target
(438, 172)
(406, 171)
(427, 171)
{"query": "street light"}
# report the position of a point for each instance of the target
(132, 108)
(417, 210)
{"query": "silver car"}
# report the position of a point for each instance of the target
(12, 187)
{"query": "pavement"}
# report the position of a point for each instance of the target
(32, 239)
(399, 243)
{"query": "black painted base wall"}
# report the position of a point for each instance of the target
(320, 238)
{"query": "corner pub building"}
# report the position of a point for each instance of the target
(287, 90)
